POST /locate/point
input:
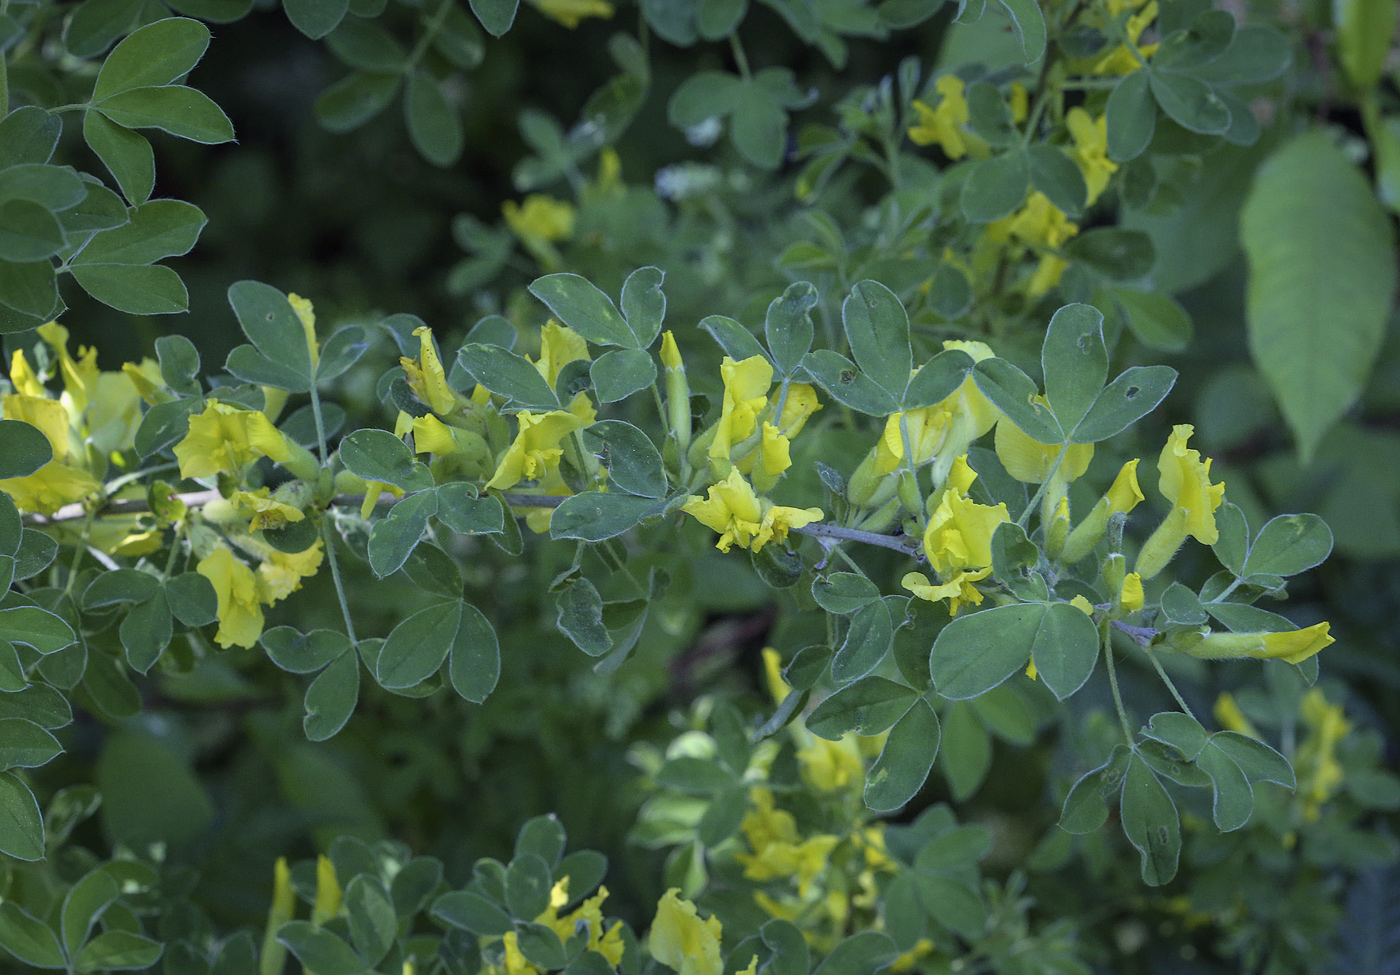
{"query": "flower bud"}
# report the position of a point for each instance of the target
(677, 392)
(1113, 572)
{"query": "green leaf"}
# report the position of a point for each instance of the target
(164, 424)
(1136, 392)
(1322, 269)
(759, 126)
(434, 124)
(179, 364)
(137, 290)
(370, 917)
(1028, 24)
(1365, 30)
(146, 632)
(867, 706)
(303, 653)
(580, 618)
(952, 903)
(868, 641)
(23, 744)
(1232, 798)
(251, 366)
(1258, 761)
(644, 304)
(271, 324)
(367, 46)
(703, 95)
(25, 936)
(39, 703)
(149, 793)
(1013, 392)
(717, 19)
(29, 288)
(495, 15)
(618, 374)
(331, 697)
(877, 328)
(585, 309)
(393, 538)
(156, 230)
(592, 516)
(1181, 605)
(995, 187)
(417, 647)
(319, 950)
(960, 848)
(466, 514)
(861, 954)
(28, 231)
(181, 111)
(1074, 361)
(788, 325)
(84, 904)
(1058, 177)
(843, 593)
(1288, 545)
(126, 154)
(341, 351)
(507, 374)
(38, 628)
(847, 385)
(474, 666)
(1086, 806)
(632, 460)
(1157, 319)
(355, 99)
(977, 651)
(541, 946)
(21, 826)
(472, 912)
(28, 136)
(11, 527)
(1150, 822)
(12, 674)
(737, 341)
(378, 455)
(1065, 649)
(1117, 254)
(905, 760)
(26, 450)
(158, 54)
(528, 882)
(1189, 102)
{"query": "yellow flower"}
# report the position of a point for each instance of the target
(1319, 772)
(739, 515)
(943, 124)
(927, 428)
(745, 394)
(146, 379)
(670, 354)
(1294, 646)
(426, 376)
(798, 407)
(1019, 102)
(1091, 149)
(267, 513)
(1039, 223)
(280, 573)
(559, 346)
(958, 590)
(765, 463)
(235, 585)
(224, 438)
(306, 314)
(832, 765)
(1130, 596)
(328, 894)
(1047, 274)
(22, 377)
(48, 415)
(1231, 718)
(1121, 60)
(79, 375)
(541, 218)
(1029, 461)
(1122, 497)
(535, 452)
(570, 12)
(49, 488)
(765, 824)
(773, 675)
(681, 940)
(804, 861)
(1185, 482)
(959, 532)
